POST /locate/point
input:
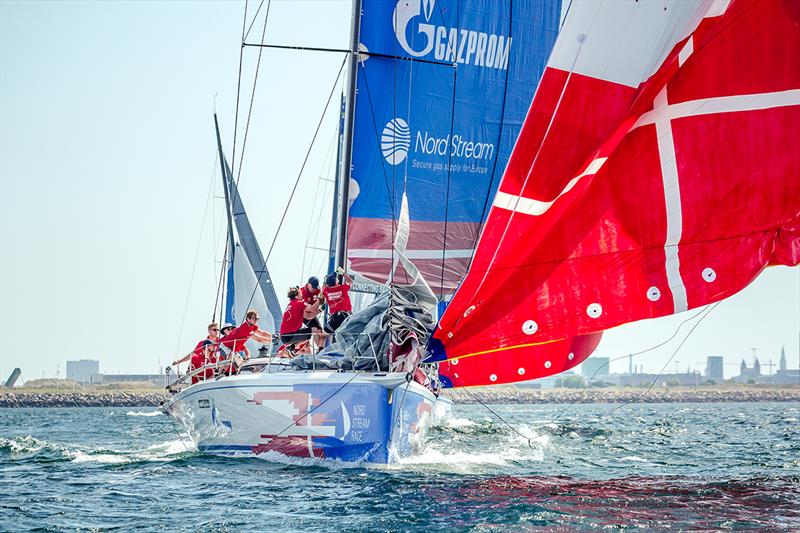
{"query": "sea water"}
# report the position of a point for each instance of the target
(554, 467)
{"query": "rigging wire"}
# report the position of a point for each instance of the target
(197, 251)
(490, 187)
(312, 224)
(669, 360)
(296, 183)
(255, 16)
(252, 99)
(704, 312)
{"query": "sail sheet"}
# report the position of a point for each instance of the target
(440, 127)
(657, 171)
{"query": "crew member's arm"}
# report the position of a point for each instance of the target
(264, 337)
(184, 358)
(345, 275)
(312, 310)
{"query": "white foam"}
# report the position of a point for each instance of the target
(454, 422)
(634, 459)
(160, 452)
(144, 413)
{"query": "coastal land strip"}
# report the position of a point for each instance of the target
(493, 395)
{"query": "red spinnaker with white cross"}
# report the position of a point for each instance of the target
(658, 170)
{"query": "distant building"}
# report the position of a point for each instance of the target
(714, 367)
(683, 379)
(82, 371)
(747, 373)
(784, 375)
(595, 366)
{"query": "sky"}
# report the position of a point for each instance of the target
(111, 221)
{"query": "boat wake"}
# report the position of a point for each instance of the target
(144, 413)
(31, 449)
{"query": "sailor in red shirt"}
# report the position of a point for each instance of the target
(204, 354)
(236, 339)
(293, 329)
(213, 335)
(337, 294)
(311, 295)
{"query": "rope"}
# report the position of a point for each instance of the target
(509, 426)
(674, 353)
(705, 312)
(294, 423)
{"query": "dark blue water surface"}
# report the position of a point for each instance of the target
(654, 466)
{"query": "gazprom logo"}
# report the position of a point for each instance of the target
(395, 141)
(452, 45)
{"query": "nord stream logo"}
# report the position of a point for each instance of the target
(395, 141)
(452, 45)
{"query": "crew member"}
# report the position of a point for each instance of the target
(293, 329)
(311, 295)
(204, 354)
(235, 340)
(213, 336)
(337, 295)
(310, 290)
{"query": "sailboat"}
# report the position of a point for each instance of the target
(514, 179)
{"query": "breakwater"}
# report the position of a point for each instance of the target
(495, 395)
(81, 399)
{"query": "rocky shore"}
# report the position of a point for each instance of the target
(495, 395)
(81, 399)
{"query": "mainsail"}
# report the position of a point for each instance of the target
(657, 171)
(248, 284)
(442, 90)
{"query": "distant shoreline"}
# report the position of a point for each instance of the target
(493, 395)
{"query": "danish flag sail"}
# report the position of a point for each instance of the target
(658, 170)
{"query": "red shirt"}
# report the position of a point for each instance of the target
(235, 339)
(293, 316)
(200, 344)
(199, 359)
(338, 298)
(309, 295)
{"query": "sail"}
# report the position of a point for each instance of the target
(247, 243)
(442, 90)
(657, 171)
(247, 281)
(248, 294)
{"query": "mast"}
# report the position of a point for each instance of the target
(335, 211)
(344, 171)
(229, 300)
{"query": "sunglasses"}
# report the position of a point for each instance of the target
(213, 329)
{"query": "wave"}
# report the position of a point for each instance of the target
(160, 452)
(144, 413)
(29, 447)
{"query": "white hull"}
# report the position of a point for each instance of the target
(353, 417)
